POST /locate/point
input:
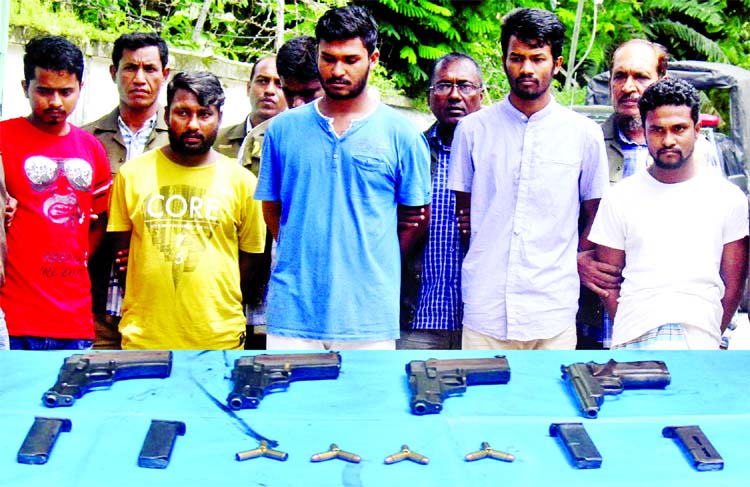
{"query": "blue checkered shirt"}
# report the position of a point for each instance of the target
(440, 306)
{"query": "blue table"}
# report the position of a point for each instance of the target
(366, 411)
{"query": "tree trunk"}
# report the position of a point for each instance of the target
(279, 24)
(198, 30)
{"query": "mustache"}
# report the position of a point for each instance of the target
(187, 135)
(671, 150)
(624, 98)
(338, 80)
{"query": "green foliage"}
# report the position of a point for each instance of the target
(413, 32)
(709, 12)
(687, 27)
(416, 32)
(684, 34)
(38, 15)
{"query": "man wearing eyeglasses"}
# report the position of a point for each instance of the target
(526, 168)
(431, 308)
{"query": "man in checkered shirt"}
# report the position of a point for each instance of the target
(431, 307)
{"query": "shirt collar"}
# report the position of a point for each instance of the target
(434, 136)
(514, 112)
(148, 125)
(625, 141)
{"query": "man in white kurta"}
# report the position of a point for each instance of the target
(526, 167)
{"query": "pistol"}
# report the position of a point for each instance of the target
(590, 381)
(433, 380)
(82, 372)
(256, 376)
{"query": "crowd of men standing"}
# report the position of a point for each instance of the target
(344, 227)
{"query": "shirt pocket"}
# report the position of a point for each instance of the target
(555, 184)
(369, 162)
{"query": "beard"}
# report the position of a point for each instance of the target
(528, 93)
(176, 142)
(667, 165)
(355, 89)
(628, 124)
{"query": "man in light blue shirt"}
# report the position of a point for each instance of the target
(526, 167)
(335, 175)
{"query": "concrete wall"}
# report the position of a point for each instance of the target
(99, 93)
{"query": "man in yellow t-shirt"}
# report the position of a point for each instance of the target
(184, 219)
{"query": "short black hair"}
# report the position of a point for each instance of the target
(535, 27)
(203, 84)
(137, 40)
(255, 65)
(452, 57)
(672, 92)
(350, 22)
(54, 53)
(297, 59)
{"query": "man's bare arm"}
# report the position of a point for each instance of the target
(463, 216)
(272, 217)
(121, 249)
(600, 277)
(733, 271)
(97, 230)
(413, 222)
(588, 212)
(615, 258)
(249, 266)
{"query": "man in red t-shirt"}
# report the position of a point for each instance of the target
(3, 253)
(60, 176)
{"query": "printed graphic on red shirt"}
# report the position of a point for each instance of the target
(58, 179)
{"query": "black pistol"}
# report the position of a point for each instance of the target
(256, 376)
(590, 382)
(433, 380)
(82, 372)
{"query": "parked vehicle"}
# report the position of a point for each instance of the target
(732, 145)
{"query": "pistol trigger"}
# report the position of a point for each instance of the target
(452, 384)
(99, 378)
(611, 385)
(278, 379)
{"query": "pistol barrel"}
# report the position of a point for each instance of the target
(585, 388)
(255, 376)
(432, 380)
(82, 372)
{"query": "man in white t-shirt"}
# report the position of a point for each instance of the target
(678, 230)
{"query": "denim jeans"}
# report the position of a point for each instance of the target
(42, 343)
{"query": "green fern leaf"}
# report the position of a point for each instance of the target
(407, 52)
(435, 9)
(682, 32)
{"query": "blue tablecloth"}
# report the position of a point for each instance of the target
(366, 411)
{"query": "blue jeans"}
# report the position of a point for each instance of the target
(41, 343)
